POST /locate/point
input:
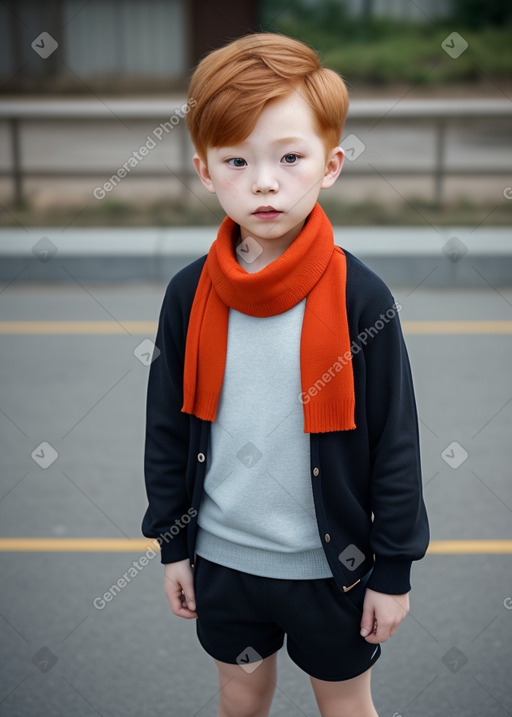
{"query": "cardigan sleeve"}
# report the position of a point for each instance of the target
(399, 532)
(167, 436)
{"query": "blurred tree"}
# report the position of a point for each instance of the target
(382, 49)
(322, 23)
(478, 13)
(367, 9)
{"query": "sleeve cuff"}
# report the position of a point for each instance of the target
(390, 575)
(173, 550)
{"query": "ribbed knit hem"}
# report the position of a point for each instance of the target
(306, 565)
(206, 410)
(334, 416)
(391, 575)
(173, 548)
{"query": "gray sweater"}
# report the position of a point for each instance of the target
(257, 513)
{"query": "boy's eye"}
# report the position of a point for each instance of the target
(237, 162)
(290, 158)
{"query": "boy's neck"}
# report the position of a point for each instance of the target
(272, 249)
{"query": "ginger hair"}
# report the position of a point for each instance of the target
(231, 86)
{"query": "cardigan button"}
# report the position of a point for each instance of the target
(327, 538)
(201, 457)
(316, 471)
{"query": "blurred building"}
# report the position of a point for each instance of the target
(61, 46)
(113, 45)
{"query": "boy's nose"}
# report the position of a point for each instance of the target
(264, 183)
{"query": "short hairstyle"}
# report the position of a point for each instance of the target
(231, 86)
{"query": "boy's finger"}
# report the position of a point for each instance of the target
(374, 639)
(186, 613)
(188, 607)
(174, 598)
(188, 599)
(187, 590)
(368, 623)
(179, 606)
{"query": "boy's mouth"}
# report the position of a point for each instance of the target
(266, 213)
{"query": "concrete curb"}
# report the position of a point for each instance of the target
(402, 256)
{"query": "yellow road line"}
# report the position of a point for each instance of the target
(454, 547)
(78, 327)
(77, 545)
(457, 327)
(148, 328)
(140, 545)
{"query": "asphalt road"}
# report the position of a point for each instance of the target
(84, 395)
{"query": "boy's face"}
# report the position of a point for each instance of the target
(269, 183)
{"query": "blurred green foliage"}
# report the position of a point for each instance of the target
(379, 50)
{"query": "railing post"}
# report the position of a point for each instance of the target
(17, 175)
(439, 169)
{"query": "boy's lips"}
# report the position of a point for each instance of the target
(267, 212)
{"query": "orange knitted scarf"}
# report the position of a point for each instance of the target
(312, 267)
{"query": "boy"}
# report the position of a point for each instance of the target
(282, 456)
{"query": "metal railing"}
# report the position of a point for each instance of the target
(437, 114)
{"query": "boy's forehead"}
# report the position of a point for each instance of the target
(292, 105)
(282, 121)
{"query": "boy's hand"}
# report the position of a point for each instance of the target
(179, 588)
(382, 614)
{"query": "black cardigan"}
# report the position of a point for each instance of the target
(366, 482)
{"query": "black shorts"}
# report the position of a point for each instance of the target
(243, 618)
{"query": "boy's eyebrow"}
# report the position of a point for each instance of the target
(279, 140)
(287, 140)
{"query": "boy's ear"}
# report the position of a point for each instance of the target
(204, 175)
(333, 166)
